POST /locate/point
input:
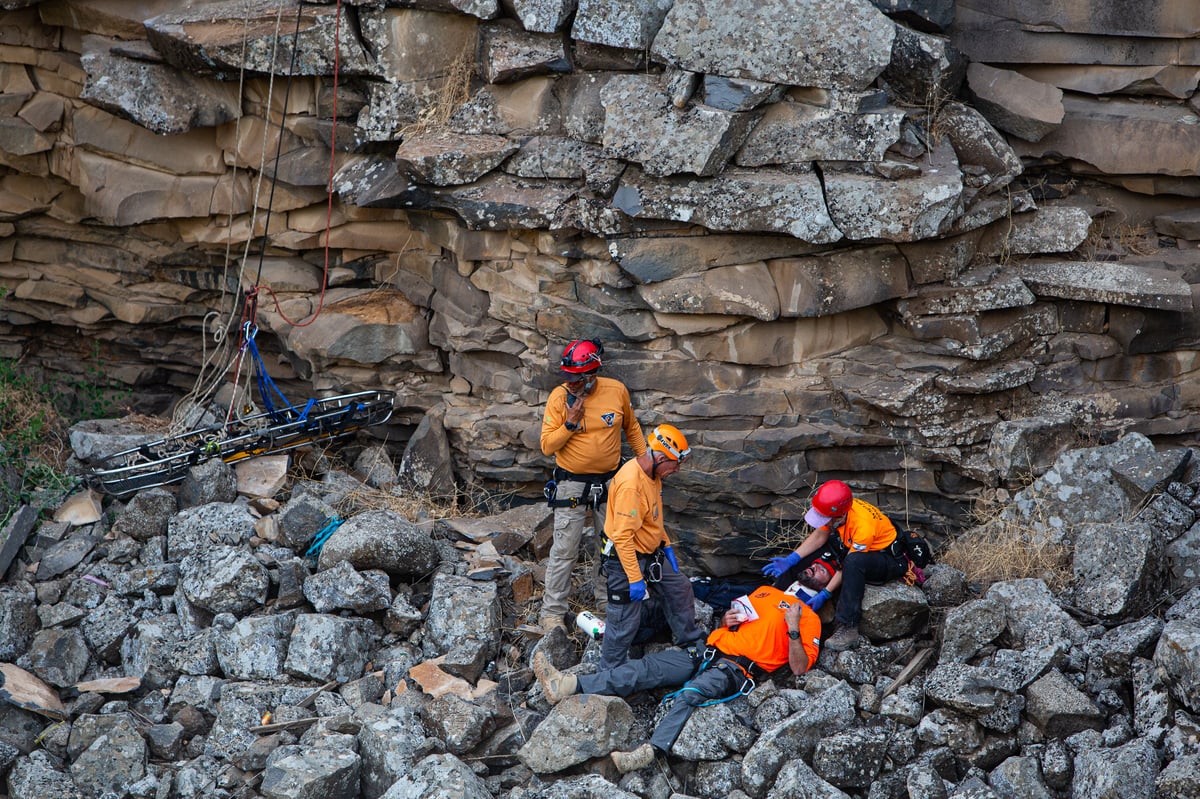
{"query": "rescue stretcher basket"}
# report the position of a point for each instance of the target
(166, 461)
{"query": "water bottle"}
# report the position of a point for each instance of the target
(591, 624)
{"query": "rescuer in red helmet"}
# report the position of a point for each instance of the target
(582, 426)
(867, 545)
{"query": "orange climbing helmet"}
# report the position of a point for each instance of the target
(669, 441)
(832, 499)
(581, 357)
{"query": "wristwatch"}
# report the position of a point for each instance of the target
(571, 426)
(794, 635)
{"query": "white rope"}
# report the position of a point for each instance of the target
(215, 367)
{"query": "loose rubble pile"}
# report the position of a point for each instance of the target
(180, 645)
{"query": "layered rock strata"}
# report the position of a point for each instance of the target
(918, 247)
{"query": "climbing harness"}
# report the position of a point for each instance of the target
(593, 495)
(725, 663)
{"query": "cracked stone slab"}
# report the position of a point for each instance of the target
(746, 200)
(500, 202)
(447, 159)
(835, 45)
(798, 132)
(265, 38)
(1101, 281)
(642, 124)
(1006, 291)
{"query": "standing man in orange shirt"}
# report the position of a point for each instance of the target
(581, 428)
(636, 555)
(866, 542)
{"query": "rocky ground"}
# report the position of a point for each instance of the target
(180, 644)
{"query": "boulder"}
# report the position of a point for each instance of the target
(594, 726)
(628, 24)
(1015, 103)
(508, 53)
(439, 777)
(344, 587)
(224, 579)
(641, 124)
(846, 46)
(921, 206)
(381, 539)
(1177, 655)
(324, 647)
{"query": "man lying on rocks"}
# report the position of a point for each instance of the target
(760, 633)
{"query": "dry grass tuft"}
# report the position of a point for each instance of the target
(31, 428)
(1001, 547)
(997, 552)
(1111, 237)
(781, 539)
(469, 501)
(454, 90)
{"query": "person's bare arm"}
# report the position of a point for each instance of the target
(797, 656)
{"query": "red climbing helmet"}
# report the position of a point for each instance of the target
(832, 499)
(581, 357)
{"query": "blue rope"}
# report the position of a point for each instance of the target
(687, 686)
(267, 387)
(321, 536)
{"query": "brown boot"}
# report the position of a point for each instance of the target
(556, 686)
(548, 623)
(845, 638)
(634, 760)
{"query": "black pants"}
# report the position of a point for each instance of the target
(858, 569)
(624, 618)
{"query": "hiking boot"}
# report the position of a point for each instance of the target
(548, 623)
(556, 686)
(632, 761)
(847, 637)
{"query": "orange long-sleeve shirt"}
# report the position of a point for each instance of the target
(634, 521)
(867, 529)
(765, 639)
(596, 447)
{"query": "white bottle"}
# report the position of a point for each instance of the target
(591, 624)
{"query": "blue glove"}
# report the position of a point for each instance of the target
(778, 566)
(817, 600)
(637, 591)
(670, 553)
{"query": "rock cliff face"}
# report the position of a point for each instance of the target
(920, 246)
